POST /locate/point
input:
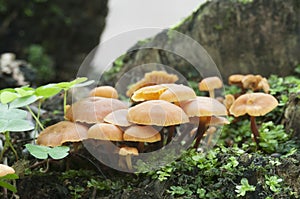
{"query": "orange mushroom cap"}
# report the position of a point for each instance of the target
(210, 83)
(157, 112)
(203, 106)
(93, 109)
(118, 117)
(103, 131)
(152, 78)
(104, 91)
(5, 170)
(253, 104)
(235, 79)
(142, 134)
(62, 132)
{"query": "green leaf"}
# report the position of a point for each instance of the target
(9, 177)
(39, 152)
(68, 85)
(8, 186)
(10, 114)
(47, 91)
(24, 91)
(8, 96)
(23, 101)
(18, 125)
(59, 152)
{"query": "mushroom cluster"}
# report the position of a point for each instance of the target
(249, 82)
(252, 103)
(159, 107)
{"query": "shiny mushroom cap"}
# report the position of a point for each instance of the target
(142, 134)
(167, 92)
(177, 93)
(124, 151)
(157, 112)
(148, 93)
(253, 104)
(104, 91)
(152, 78)
(235, 79)
(210, 83)
(62, 132)
(203, 106)
(5, 170)
(118, 117)
(103, 131)
(93, 109)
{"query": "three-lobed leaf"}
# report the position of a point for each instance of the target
(42, 152)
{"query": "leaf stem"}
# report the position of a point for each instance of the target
(35, 117)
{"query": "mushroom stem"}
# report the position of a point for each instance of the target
(211, 93)
(141, 146)
(171, 132)
(254, 130)
(128, 162)
(200, 131)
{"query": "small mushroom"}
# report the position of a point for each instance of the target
(5, 170)
(203, 108)
(210, 84)
(228, 101)
(104, 131)
(264, 85)
(62, 132)
(236, 79)
(118, 118)
(253, 104)
(128, 152)
(251, 81)
(152, 78)
(104, 91)
(93, 109)
(141, 134)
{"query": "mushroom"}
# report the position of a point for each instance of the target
(253, 104)
(93, 109)
(210, 84)
(167, 92)
(104, 131)
(141, 134)
(251, 81)
(152, 78)
(62, 132)
(236, 79)
(104, 91)
(157, 112)
(128, 152)
(5, 170)
(118, 118)
(264, 85)
(203, 108)
(228, 101)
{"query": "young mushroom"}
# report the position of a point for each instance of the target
(253, 104)
(203, 108)
(158, 113)
(5, 170)
(141, 134)
(127, 152)
(210, 84)
(104, 91)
